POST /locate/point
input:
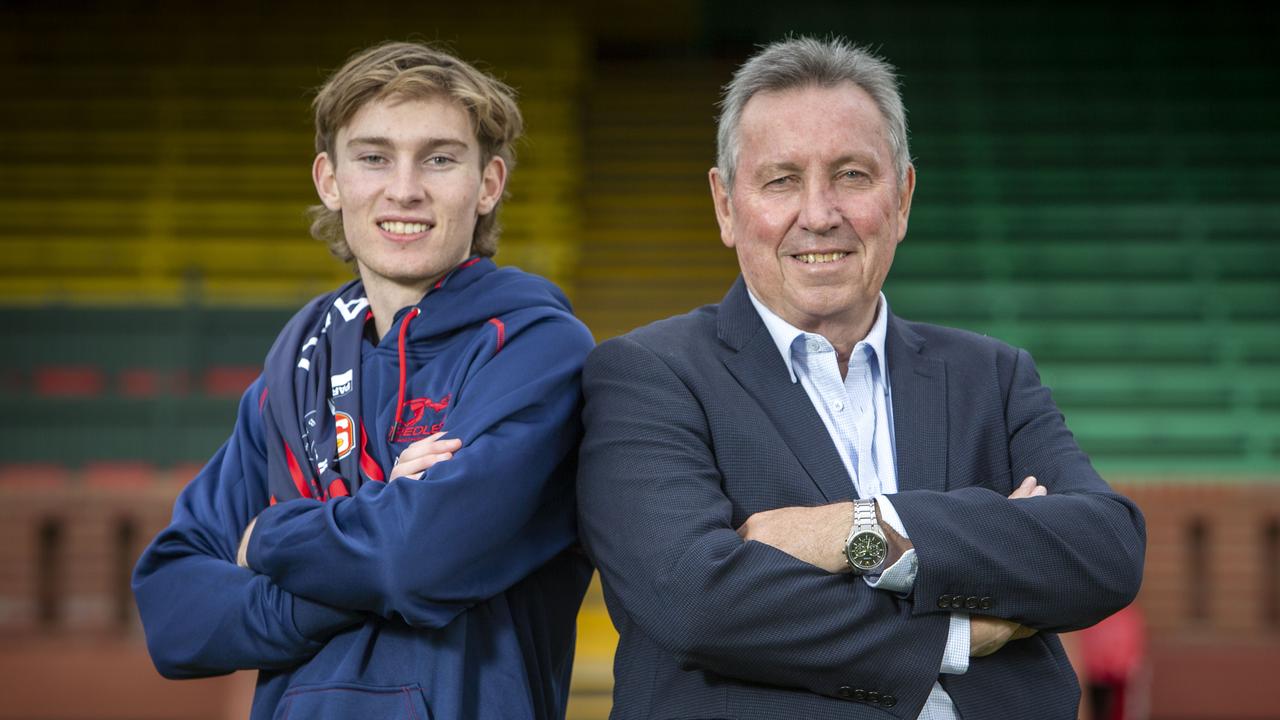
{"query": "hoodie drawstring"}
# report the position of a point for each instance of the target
(404, 329)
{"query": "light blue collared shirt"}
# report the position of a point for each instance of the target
(857, 410)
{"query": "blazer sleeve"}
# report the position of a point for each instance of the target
(204, 615)
(655, 518)
(426, 550)
(1059, 562)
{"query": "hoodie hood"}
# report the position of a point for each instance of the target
(478, 291)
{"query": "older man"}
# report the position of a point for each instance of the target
(723, 448)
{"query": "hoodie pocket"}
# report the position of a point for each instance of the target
(342, 701)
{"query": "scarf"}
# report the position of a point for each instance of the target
(317, 446)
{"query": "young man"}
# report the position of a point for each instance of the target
(389, 531)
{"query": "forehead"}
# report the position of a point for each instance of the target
(403, 118)
(788, 125)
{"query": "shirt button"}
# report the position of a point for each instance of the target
(838, 405)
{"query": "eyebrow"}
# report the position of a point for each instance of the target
(428, 144)
(777, 167)
(857, 157)
(789, 167)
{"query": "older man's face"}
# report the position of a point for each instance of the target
(816, 209)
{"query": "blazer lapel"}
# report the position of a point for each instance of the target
(918, 385)
(759, 368)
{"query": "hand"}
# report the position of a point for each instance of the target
(1029, 488)
(989, 634)
(424, 453)
(814, 535)
(242, 553)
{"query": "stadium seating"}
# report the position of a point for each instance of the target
(1097, 186)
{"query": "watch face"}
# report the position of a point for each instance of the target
(867, 550)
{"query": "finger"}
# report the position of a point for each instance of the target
(417, 465)
(430, 446)
(1040, 491)
(1023, 632)
(1024, 488)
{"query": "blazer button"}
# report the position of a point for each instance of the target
(873, 696)
(888, 700)
(859, 694)
(957, 602)
(845, 691)
(944, 601)
(986, 603)
(971, 603)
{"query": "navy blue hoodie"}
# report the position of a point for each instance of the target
(452, 596)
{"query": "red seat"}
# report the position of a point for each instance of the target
(69, 381)
(225, 380)
(141, 382)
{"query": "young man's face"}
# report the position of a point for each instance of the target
(408, 178)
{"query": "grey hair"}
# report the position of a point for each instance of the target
(801, 62)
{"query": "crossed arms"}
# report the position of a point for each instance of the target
(669, 512)
(421, 550)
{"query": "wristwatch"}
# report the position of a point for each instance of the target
(866, 547)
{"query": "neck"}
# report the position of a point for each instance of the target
(386, 299)
(843, 336)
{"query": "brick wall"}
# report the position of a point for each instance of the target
(1211, 596)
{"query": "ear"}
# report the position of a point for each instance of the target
(322, 174)
(724, 206)
(905, 193)
(492, 182)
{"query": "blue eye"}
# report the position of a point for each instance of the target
(440, 160)
(372, 159)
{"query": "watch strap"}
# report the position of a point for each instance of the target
(864, 515)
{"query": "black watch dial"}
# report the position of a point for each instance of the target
(867, 550)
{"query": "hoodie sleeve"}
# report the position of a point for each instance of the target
(427, 549)
(204, 615)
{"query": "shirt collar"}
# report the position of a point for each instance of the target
(784, 333)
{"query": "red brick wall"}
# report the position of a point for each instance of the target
(1215, 662)
(1214, 629)
(82, 655)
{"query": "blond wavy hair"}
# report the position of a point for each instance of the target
(414, 71)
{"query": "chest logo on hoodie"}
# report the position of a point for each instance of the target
(421, 417)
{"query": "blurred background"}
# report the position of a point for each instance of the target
(1097, 183)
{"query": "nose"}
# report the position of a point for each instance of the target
(406, 187)
(818, 211)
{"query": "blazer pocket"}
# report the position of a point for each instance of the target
(341, 701)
